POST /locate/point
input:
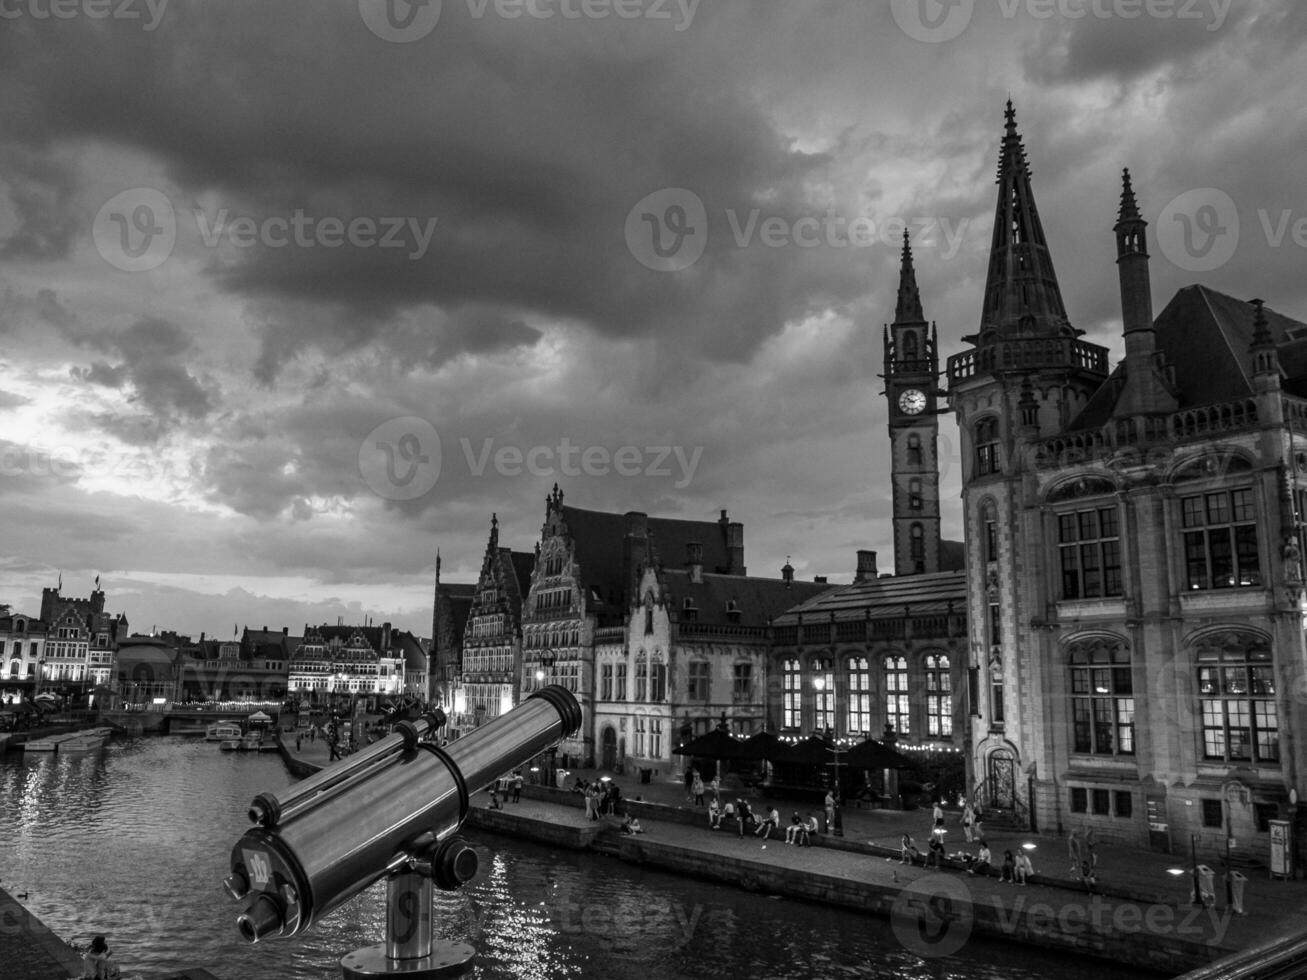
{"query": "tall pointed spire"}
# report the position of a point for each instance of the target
(1021, 291)
(909, 305)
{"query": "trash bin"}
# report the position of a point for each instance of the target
(1206, 885)
(1236, 880)
(646, 775)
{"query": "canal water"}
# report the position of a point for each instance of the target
(133, 842)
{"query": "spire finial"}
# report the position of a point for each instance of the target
(1261, 326)
(909, 303)
(1129, 207)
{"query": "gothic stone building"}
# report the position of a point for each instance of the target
(691, 654)
(1134, 542)
(588, 570)
(492, 637)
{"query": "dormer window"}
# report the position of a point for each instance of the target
(688, 610)
(732, 611)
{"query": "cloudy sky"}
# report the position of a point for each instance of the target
(293, 294)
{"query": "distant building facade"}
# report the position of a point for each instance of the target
(22, 650)
(81, 638)
(492, 638)
(333, 662)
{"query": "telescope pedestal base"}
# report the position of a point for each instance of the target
(446, 960)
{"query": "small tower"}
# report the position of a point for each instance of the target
(1266, 360)
(1148, 389)
(912, 387)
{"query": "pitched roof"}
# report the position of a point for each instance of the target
(939, 592)
(758, 600)
(1206, 336)
(600, 538)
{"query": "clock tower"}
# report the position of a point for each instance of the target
(912, 388)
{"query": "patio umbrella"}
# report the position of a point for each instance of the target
(871, 754)
(812, 751)
(718, 745)
(259, 716)
(763, 747)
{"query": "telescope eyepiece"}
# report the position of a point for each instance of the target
(453, 864)
(265, 811)
(260, 919)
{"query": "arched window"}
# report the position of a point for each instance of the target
(917, 547)
(641, 677)
(823, 685)
(909, 346)
(939, 697)
(986, 441)
(791, 708)
(914, 449)
(1220, 540)
(859, 715)
(1236, 691)
(896, 694)
(1089, 549)
(658, 681)
(989, 522)
(914, 494)
(1102, 697)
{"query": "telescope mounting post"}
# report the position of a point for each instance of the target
(411, 950)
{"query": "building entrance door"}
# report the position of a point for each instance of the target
(1002, 780)
(608, 749)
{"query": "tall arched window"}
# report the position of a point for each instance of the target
(986, 441)
(989, 525)
(909, 346)
(859, 714)
(939, 697)
(823, 685)
(917, 547)
(1236, 691)
(791, 706)
(896, 694)
(1102, 697)
(914, 449)
(641, 677)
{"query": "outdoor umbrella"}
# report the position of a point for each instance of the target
(812, 751)
(871, 754)
(763, 747)
(259, 716)
(718, 745)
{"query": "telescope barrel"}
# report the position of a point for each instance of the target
(341, 830)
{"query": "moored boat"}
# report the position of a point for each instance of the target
(222, 731)
(231, 745)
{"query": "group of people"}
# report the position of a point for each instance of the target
(1016, 868)
(98, 963)
(738, 815)
(602, 797)
(498, 796)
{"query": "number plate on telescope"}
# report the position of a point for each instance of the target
(258, 868)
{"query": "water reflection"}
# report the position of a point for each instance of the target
(133, 842)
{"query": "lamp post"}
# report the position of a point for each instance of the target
(1193, 856)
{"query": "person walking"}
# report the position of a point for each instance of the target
(830, 811)
(517, 786)
(696, 788)
(978, 825)
(968, 819)
(938, 814)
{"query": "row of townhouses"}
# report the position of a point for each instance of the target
(1120, 643)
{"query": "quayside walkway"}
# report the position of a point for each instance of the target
(1142, 914)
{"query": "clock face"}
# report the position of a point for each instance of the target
(912, 401)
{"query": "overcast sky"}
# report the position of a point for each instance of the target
(293, 294)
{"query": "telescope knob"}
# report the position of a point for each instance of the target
(453, 864)
(260, 919)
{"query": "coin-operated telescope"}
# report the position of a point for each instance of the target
(389, 811)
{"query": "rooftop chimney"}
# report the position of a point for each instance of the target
(820, 580)
(694, 560)
(866, 567)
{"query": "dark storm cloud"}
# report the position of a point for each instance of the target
(527, 144)
(153, 350)
(40, 192)
(10, 400)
